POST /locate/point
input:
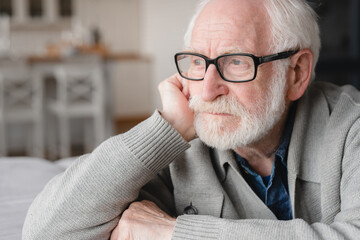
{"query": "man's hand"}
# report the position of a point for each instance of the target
(144, 220)
(175, 100)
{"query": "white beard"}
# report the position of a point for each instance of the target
(246, 125)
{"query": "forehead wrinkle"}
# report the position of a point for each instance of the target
(222, 51)
(240, 42)
(214, 33)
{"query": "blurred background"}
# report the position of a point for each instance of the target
(89, 70)
(75, 72)
(339, 21)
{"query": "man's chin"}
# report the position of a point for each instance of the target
(224, 136)
(219, 145)
(223, 142)
(218, 137)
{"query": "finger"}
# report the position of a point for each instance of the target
(115, 233)
(148, 207)
(185, 85)
(144, 205)
(170, 85)
(175, 80)
(175, 106)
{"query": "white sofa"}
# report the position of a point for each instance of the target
(21, 179)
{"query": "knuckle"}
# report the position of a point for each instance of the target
(135, 205)
(149, 203)
(126, 215)
(125, 222)
(162, 85)
(123, 229)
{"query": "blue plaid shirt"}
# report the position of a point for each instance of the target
(273, 189)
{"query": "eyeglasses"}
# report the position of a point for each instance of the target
(235, 67)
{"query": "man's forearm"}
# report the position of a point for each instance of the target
(85, 202)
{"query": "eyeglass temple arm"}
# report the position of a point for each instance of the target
(277, 56)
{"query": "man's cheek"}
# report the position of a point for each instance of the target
(194, 87)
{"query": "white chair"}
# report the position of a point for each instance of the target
(21, 104)
(80, 95)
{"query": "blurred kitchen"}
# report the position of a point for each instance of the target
(75, 72)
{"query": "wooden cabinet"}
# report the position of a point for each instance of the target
(39, 11)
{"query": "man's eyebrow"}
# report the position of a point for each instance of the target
(232, 50)
(192, 50)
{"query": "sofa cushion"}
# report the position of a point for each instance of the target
(21, 179)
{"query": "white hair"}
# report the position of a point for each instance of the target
(293, 25)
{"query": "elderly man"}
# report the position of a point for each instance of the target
(269, 157)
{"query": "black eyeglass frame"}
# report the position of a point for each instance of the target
(257, 61)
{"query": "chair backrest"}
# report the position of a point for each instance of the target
(80, 81)
(21, 91)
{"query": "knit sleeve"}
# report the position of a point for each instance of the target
(86, 200)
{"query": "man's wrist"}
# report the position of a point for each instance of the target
(155, 133)
(187, 132)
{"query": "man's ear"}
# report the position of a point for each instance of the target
(299, 74)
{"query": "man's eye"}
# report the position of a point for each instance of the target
(198, 62)
(236, 62)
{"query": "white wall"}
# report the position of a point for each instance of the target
(163, 24)
(117, 19)
(26, 42)
(130, 88)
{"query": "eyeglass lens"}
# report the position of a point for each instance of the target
(231, 67)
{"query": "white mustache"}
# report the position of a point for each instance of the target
(221, 105)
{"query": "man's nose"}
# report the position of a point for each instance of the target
(213, 85)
